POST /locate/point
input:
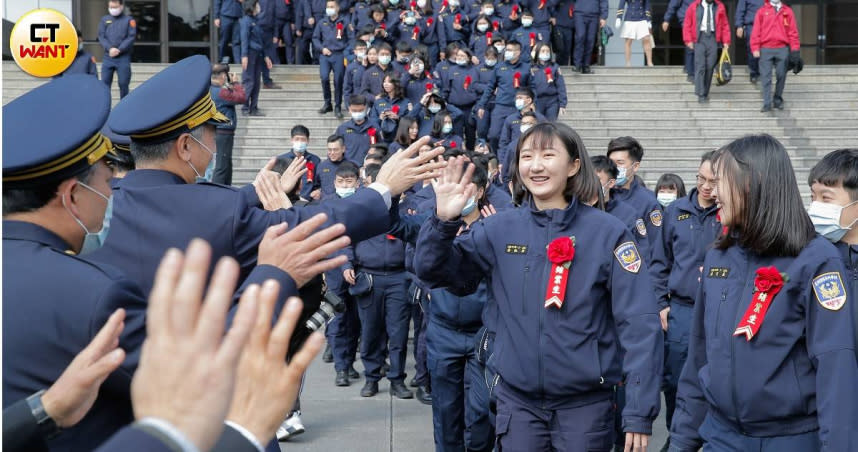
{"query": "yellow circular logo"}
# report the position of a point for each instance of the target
(43, 42)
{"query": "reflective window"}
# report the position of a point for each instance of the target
(189, 20)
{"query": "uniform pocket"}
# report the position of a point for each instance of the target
(501, 429)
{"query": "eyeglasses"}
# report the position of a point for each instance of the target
(702, 181)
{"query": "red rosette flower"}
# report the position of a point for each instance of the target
(515, 9)
(495, 25)
(532, 39)
(516, 79)
(395, 109)
(767, 279)
(430, 21)
(458, 18)
(453, 144)
(549, 74)
(311, 168)
(383, 26)
(468, 80)
(371, 133)
(416, 33)
(571, 10)
(429, 87)
(413, 5)
(541, 4)
(561, 250)
(339, 30)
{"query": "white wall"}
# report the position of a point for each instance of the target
(14, 9)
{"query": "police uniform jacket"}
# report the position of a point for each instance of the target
(458, 313)
(558, 357)
(373, 78)
(634, 223)
(455, 91)
(499, 198)
(252, 39)
(796, 375)
(677, 8)
(227, 8)
(415, 87)
(450, 34)
(540, 15)
(634, 10)
(389, 126)
(564, 11)
(83, 63)
(352, 79)
(592, 8)
(47, 322)
(548, 92)
(688, 232)
(325, 35)
(643, 200)
(309, 182)
(505, 83)
(745, 12)
(356, 137)
(119, 32)
(326, 172)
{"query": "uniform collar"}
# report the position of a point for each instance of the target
(150, 178)
(22, 230)
(691, 204)
(611, 204)
(555, 217)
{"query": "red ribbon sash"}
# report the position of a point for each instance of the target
(516, 80)
(416, 33)
(556, 292)
(760, 302)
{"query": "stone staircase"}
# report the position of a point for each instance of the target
(655, 105)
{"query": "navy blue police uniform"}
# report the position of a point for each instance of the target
(229, 12)
(352, 78)
(432, 29)
(499, 198)
(415, 87)
(334, 35)
(556, 367)
(745, 13)
(266, 19)
(464, 89)
(526, 35)
(448, 20)
(586, 18)
(564, 12)
(503, 90)
(357, 137)
(83, 63)
(790, 387)
(326, 173)
(486, 77)
(426, 119)
(550, 89)
(155, 209)
(542, 11)
(254, 47)
(46, 325)
(510, 132)
(389, 125)
(372, 81)
(118, 32)
(644, 202)
(677, 8)
(634, 223)
(689, 230)
(284, 22)
(441, 71)
(226, 97)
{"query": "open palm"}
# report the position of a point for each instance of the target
(453, 189)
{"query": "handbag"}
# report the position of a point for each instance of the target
(724, 70)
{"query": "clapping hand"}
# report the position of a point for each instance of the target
(453, 189)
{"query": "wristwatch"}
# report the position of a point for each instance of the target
(47, 426)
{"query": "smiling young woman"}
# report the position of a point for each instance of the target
(575, 306)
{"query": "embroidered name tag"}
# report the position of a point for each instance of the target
(719, 272)
(516, 249)
(684, 216)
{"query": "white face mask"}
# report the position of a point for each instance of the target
(826, 219)
(454, 3)
(299, 147)
(666, 198)
(360, 55)
(115, 11)
(384, 59)
(489, 11)
(434, 108)
(525, 127)
(411, 20)
(482, 27)
(544, 56)
(331, 12)
(358, 116)
(622, 178)
(462, 61)
(491, 63)
(526, 22)
(519, 104)
(447, 128)
(345, 192)
(91, 240)
(509, 55)
(499, 49)
(209, 172)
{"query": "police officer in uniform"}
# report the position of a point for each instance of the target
(771, 360)
(606, 171)
(690, 228)
(590, 16)
(510, 75)
(56, 188)
(116, 33)
(678, 8)
(359, 132)
(330, 39)
(227, 13)
(744, 23)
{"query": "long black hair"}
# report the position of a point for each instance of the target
(768, 215)
(582, 185)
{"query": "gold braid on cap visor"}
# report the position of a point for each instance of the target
(92, 149)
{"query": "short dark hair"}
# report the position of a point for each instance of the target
(452, 47)
(771, 220)
(452, 152)
(491, 52)
(219, 68)
(708, 157)
(281, 163)
(383, 46)
(20, 200)
(671, 181)
(121, 2)
(380, 149)
(300, 130)
(525, 91)
(404, 47)
(372, 170)
(336, 138)
(357, 99)
(602, 164)
(374, 156)
(582, 185)
(480, 178)
(347, 169)
(837, 168)
(628, 144)
(514, 43)
(361, 43)
(527, 12)
(250, 6)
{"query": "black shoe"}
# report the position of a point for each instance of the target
(369, 389)
(338, 112)
(271, 85)
(353, 374)
(766, 108)
(326, 109)
(328, 356)
(586, 70)
(398, 389)
(702, 99)
(576, 69)
(256, 113)
(689, 79)
(755, 79)
(384, 368)
(342, 378)
(424, 395)
(779, 104)
(413, 383)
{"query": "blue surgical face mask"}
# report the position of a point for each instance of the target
(469, 206)
(665, 198)
(526, 22)
(826, 220)
(508, 55)
(622, 177)
(299, 147)
(93, 240)
(345, 192)
(544, 56)
(434, 108)
(491, 63)
(519, 104)
(384, 59)
(358, 116)
(447, 128)
(209, 172)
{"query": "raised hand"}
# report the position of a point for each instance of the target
(453, 189)
(402, 170)
(187, 367)
(290, 178)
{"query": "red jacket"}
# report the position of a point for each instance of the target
(691, 28)
(774, 29)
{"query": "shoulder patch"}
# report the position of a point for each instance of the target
(627, 255)
(512, 248)
(132, 23)
(641, 227)
(829, 290)
(655, 218)
(683, 216)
